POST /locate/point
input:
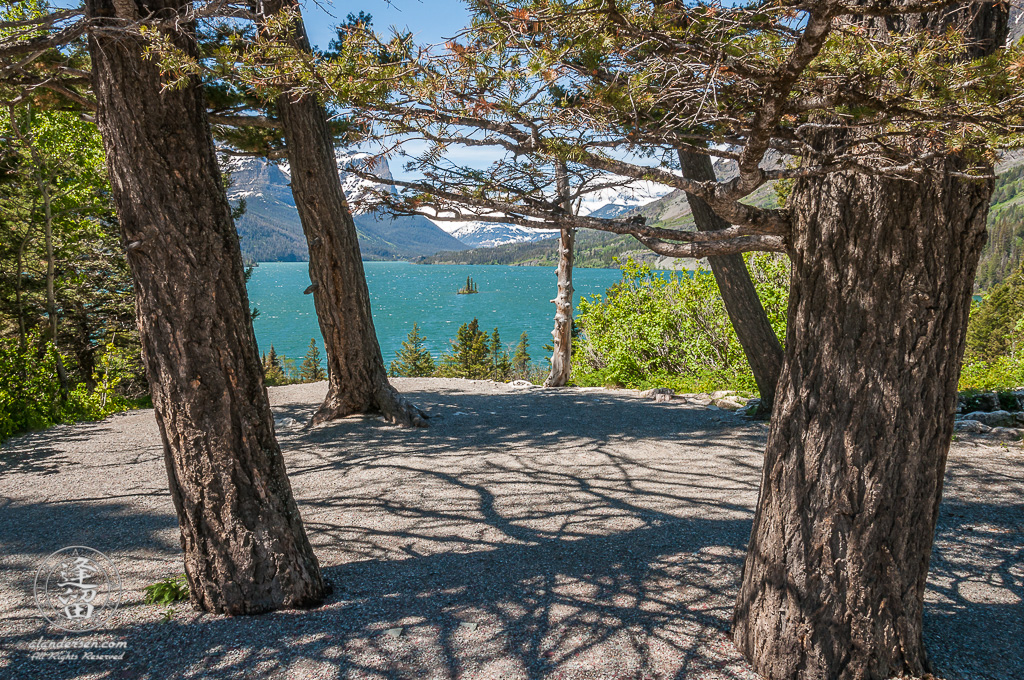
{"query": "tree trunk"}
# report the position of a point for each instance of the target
(760, 344)
(561, 357)
(357, 379)
(245, 548)
(835, 573)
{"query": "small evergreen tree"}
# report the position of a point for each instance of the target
(413, 360)
(273, 369)
(521, 357)
(470, 354)
(501, 367)
(311, 370)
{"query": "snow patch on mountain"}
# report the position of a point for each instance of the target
(607, 203)
(251, 175)
(489, 234)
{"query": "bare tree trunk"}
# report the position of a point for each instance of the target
(760, 344)
(246, 551)
(561, 357)
(834, 578)
(357, 379)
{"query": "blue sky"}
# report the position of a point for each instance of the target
(431, 21)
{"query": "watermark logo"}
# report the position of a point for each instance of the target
(77, 589)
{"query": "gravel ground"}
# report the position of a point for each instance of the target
(528, 533)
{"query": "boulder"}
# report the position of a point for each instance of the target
(993, 418)
(1006, 433)
(659, 394)
(730, 403)
(973, 426)
(722, 394)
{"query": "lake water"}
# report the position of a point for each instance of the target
(513, 299)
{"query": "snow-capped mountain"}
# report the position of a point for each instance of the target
(615, 201)
(609, 202)
(487, 234)
(270, 228)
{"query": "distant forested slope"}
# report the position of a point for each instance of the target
(1002, 253)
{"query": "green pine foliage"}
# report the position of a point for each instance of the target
(994, 356)
(1005, 246)
(521, 356)
(311, 370)
(653, 329)
(414, 359)
(276, 369)
(470, 354)
(501, 365)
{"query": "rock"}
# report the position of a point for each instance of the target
(698, 401)
(722, 394)
(973, 426)
(282, 423)
(1005, 433)
(752, 406)
(521, 384)
(659, 394)
(993, 418)
(729, 403)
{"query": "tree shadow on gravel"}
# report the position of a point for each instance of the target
(38, 452)
(545, 534)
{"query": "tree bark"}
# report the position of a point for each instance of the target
(561, 357)
(356, 375)
(760, 344)
(834, 578)
(246, 550)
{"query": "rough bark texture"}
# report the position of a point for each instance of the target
(561, 357)
(834, 577)
(357, 378)
(760, 344)
(245, 548)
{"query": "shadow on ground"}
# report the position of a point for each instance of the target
(542, 534)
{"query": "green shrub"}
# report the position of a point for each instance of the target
(671, 330)
(168, 591)
(30, 393)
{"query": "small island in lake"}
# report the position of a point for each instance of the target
(469, 288)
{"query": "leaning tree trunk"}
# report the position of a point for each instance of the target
(760, 344)
(561, 357)
(245, 548)
(835, 573)
(357, 379)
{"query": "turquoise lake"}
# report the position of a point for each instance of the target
(513, 299)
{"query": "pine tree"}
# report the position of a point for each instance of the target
(500, 364)
(311, 370)
(521, 357)
(413, 360)
(273, 369)
(469, 356)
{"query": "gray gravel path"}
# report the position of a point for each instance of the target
(528, 533)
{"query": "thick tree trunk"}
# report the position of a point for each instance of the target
(357, 379)
(245, 548)
(561, 357)
(760, 344)
(835, 573)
